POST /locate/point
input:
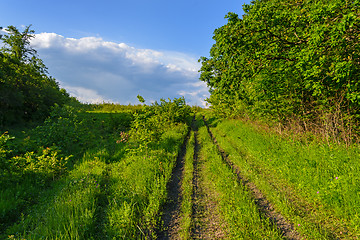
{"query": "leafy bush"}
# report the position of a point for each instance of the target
(63, 128)
(4, 152)
(152, 121)
(46, 163)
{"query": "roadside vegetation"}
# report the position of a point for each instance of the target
(115, 184)
(314, 185)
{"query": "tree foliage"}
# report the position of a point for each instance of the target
(26, 90)
(153, 120)
(283, 60)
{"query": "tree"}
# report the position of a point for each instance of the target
(26, 91)
(288, 60)
(17, 44)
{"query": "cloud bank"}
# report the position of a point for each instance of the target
(94, 70)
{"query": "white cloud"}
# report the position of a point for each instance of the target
(197, 92)
(86, 95)
(96, 70)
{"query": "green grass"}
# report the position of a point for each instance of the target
(236, 207)
(21, 188)
(132, 189)
(68, 210)
(14, 199)
(187, 190)
(315, 185)
(113, 187)
(139, 188)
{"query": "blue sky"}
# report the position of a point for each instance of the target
(113, 50)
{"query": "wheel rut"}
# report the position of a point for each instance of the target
(264, 206)
(171, 210)
(207, 223)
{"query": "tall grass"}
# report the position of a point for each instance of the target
(114, 187)
(14, 199)
(236, 206)
(139, 188)
(135, 190)
(33, 162)
(315, 185)
(67, 212)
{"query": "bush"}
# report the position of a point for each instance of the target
(4, 152)
(46, 164)
(63, 128)
(152, 121)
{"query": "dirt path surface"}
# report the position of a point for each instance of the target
(264, 206)
(207, 224)
(171, 211)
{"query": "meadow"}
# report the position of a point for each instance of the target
(90, 174)
(103, 172)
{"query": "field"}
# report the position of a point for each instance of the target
(169, 171)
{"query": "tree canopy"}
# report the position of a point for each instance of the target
(289, 60)
(26, 91)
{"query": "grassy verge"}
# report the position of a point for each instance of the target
(132, 189)
(316, 186)
(68, 210)
(35, 161)
(139, 188)
(236, 207)
(115, 183)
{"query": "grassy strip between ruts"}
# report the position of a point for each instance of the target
(187, 190)
(235, 205)
(315, 186)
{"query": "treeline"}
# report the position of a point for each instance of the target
(27, 92)
(295, 62)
